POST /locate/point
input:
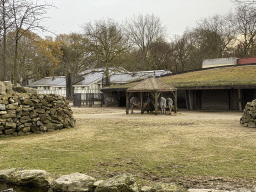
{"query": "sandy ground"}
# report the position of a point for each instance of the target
(120, 113)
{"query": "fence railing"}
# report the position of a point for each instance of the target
(88, 99)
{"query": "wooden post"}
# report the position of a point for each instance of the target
(175, 102)
(240, 99)
(187, 99)
(190, 96)
(141, 103)
(156, 106)
(127, 103)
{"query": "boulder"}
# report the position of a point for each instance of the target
(248, 118)
(74, 182)
(2, 107)
(8, 86)
(10, 125)
(2, 88)
(167, 187)
(24, 90)
(120, 183)
(35, 177)
(6, 174)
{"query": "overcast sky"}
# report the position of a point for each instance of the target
(175, 15)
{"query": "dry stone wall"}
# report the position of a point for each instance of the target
(27, 113)
(249, 115)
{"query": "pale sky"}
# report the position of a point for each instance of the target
(175, 15)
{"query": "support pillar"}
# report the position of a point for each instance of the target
(127, 103)
(175, 101)
(190, 103)
(239, 99)
(156, 106)
(141, 103)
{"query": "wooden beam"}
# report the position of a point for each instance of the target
(175, 102)
(240, 99)
(190, 97)
(187, 99)
(156, 106)
(127, 103)
(141, 104)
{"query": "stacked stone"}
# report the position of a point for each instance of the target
(249, 116)
(27, 113)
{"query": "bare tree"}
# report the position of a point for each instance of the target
(6, 24)
(26, 15)
(219, 31)
(106, 43)
(245, 2)
(245, 22)
(143, 31)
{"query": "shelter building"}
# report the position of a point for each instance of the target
(152, 86)
(219, 88)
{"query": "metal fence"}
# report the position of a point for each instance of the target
(88, 99)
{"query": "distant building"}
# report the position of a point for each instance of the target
(208, 63)
(91, 83)
(50, 85)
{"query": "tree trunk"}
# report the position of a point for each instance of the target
(107, 77)
(4, 51)
(15, 64)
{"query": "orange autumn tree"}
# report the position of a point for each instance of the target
(36, 57)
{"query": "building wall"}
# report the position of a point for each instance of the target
(219, 62)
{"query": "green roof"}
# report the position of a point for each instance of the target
(223, 76)
(214, 77)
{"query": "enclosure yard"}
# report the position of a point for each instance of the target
(195, 149)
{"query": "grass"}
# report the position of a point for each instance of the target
(145, 147)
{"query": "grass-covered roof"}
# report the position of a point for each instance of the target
(224, 76)
(215, 77)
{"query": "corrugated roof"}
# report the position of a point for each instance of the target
(50, 81)
(127, 77)
(151, 84)
(91, 78)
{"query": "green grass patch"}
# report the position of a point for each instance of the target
(165, 148)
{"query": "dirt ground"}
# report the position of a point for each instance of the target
(229, 184)
(120, 113)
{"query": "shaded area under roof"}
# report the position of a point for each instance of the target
(151, 84)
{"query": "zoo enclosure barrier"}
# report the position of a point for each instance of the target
(88, 99)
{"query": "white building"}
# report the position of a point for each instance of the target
(92, 82)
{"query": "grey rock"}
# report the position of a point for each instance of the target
(36, 177)
(145, 188)
(9, 125)
(24, 90)
(8, 86)
(7, 173)
(2, 107)
(74, 182)
(167, 187)
(26, 129)
(3, 112)
(120, 183)
(2, 88)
